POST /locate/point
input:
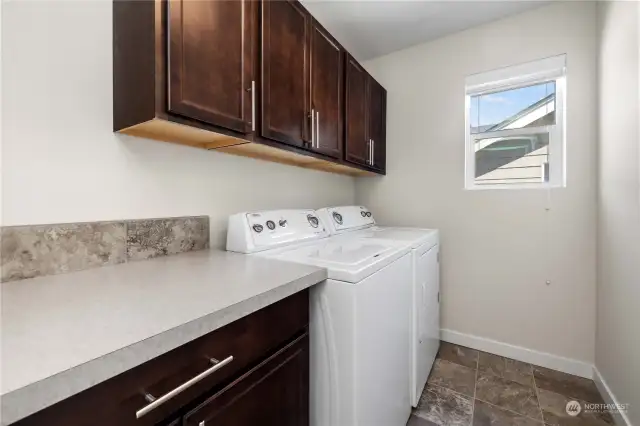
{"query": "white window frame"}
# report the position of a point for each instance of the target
(530, 73)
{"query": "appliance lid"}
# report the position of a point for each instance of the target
(349, 260)
(398, 234)
(345, 253)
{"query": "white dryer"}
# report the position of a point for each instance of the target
(359, 322)
(358, 222)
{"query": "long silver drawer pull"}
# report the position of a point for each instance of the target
(156, 402)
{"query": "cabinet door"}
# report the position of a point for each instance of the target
(276, 392)
(378, 124)
(357, 144)
(210, 61)
(326, 92)
(285, 72)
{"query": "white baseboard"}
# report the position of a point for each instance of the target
(621, 418)
(543, 359)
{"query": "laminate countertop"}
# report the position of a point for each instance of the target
(63, 334)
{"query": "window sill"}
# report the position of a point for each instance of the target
(514, 186)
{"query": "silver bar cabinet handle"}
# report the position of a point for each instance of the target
(156, 402)
(317, 129)
(373, 151)
(253, 105)
(313, 128)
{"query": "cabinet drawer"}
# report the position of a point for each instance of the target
(116, 401)
(275, 392)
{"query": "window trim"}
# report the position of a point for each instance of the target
(545, 70)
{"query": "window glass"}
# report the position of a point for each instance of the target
(512, 160)
(528, 106)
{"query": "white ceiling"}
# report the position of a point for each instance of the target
(371, 28)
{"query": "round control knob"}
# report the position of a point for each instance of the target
(313, 221)
(271, 225)
(368, 214)
(363, 213)
(282, 223)
(258, 228)
(337, 217)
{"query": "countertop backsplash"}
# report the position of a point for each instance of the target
(36, 250)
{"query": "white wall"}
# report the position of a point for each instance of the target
(618, 331)
(498, 246)
(62, 163)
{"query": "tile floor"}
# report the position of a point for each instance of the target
(472, 388)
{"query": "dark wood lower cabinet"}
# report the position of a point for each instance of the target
(273, 393)
(267, 382)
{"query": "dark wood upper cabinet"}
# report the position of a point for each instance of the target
(357, 111)
(326, 92)
(243, 77)
(210, 61)
(285, 72)
(377, 124)
(365, 118)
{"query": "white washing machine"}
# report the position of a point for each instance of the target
(358, 222)
(359, 321)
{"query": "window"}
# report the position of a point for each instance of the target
(515, 126)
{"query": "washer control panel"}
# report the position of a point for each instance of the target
(257, 231)
(346, 218)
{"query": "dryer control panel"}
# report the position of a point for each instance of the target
(250, 232)
(346, 218)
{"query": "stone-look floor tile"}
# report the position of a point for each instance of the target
(458, 354)
(507, 368)
(444, 407)
(149, 238)
(508, 395)
(567, 384)
(490, 363)
(518, 371)
(489, 415)
(36, 250)
(419, 421)
(554, 411)
(453, 376)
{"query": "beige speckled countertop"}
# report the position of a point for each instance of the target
(62, 334)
